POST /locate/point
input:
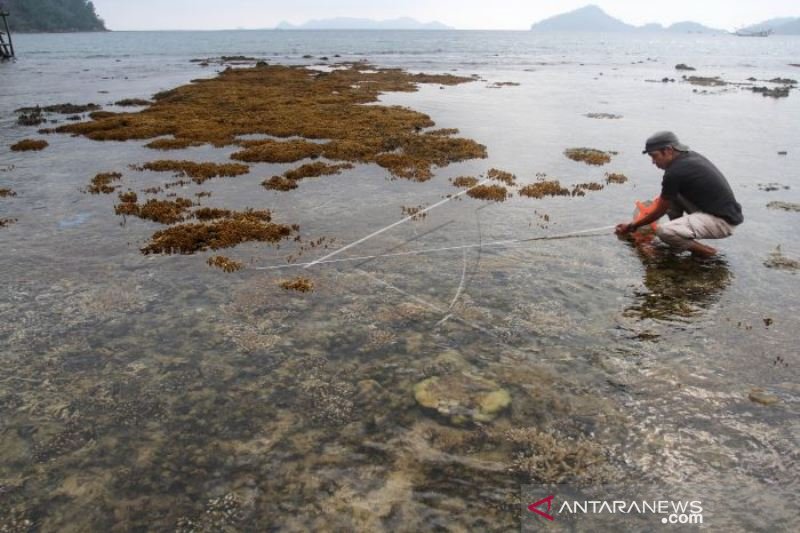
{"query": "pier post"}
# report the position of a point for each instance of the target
(6, 48)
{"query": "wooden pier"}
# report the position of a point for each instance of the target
(6, 48)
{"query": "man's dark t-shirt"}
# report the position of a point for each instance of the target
(697, 179)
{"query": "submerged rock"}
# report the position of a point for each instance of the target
(759, 396)
(462, 398)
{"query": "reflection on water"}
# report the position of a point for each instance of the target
(677, 287)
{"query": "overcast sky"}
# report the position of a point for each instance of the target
(461, 14)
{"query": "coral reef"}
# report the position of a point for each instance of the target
(462, 398)
(101, 183)
(716, 81)
(774, 92)
(501, 84)
(779, 261)
(786, 206)
(64, 109)
(551, 458)
(603, 116)
(31, 117)
(27, 145)
(590, 156)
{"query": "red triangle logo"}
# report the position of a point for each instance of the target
(549, 501)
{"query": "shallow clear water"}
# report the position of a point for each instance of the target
(156, 392)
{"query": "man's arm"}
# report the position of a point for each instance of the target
(659, 210)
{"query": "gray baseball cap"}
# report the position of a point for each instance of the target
(662, 139)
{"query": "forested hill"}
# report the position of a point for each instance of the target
(51, 15)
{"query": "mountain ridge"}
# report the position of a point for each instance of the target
(593, 18)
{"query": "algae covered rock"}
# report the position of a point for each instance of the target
(462, 398)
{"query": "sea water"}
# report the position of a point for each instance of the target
(155, 392)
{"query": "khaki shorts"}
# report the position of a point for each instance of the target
(680, 233)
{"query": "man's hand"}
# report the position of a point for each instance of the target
(624, 228)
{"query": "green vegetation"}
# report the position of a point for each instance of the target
(52, 16)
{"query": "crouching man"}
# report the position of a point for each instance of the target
(695, 195)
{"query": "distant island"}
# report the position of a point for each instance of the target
(345, 23)
(592, 18)
(779, 26)
(52, 16)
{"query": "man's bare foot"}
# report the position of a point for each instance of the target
(702, 251)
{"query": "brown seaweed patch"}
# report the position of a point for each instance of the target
(270, 151)
(590, 156)
(100, 115)
(279, 183)
(5, 193)
(544, 188)
(494, 193)
(27, 145)
(285, 102)
(161, 211)
(199, 172)
(188, 238)
(443, 131)
(581, 188)
(403, 166)
(101, 183)
(224, 263)
(129, 102)
(210, 213)
(615, 177)
(316, 169)
(299, 284)
(416, 213)
(465, 181)
(4, 222)
(172, 144)
(501, 175)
